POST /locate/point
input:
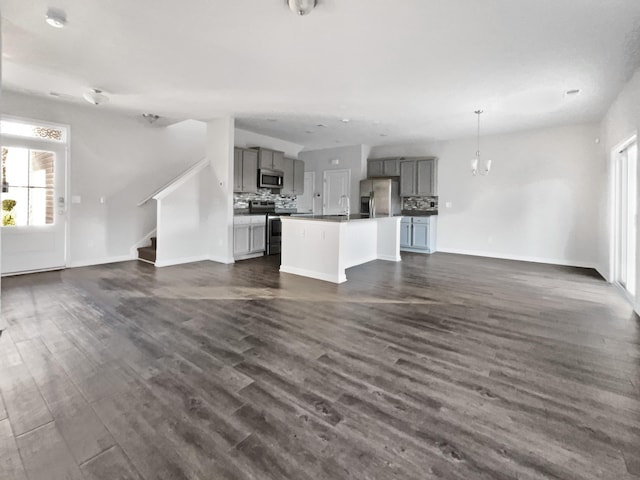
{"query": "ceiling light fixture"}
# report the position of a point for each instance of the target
(572, 92)
(56, 18)
(302, 7)
(476, 161)
(345, 120)
(95, 97)
(150, 117)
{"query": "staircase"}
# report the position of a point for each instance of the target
(148, 253)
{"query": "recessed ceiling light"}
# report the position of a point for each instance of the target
(54, 94)
(56, 18)
(345, 120)
(383, 134)
(95, 96)
(308, 131)
(321, 125)
(572, 92)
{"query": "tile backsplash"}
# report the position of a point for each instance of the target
(241, 200)
(420, 203)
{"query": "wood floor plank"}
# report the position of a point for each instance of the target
(439, 367)
(25, 406)
(84, 433)
(46, 456)
(111, 463)
(10, 462)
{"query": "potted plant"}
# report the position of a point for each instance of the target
(8, 218)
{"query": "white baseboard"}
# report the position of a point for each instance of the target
(225, 260)
(520, 258)
(390, 258)
(317, 275)
(101, 261)
(180, 261)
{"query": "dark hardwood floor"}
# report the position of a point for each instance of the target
(440, 367)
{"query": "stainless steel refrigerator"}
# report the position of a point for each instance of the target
(379, 197)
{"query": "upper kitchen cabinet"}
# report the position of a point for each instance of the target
(391, 167)
(245, 170)
(418, 177)
(293, 181)
(383, 167)
(270, 159)
(375, 168)
(426, 177)
(298, 177)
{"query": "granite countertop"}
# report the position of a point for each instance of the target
(333, 218)
(419, 213)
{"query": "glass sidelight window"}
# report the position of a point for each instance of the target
(626, 218)
(28, 187)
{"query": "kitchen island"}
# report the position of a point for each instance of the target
(323, 247)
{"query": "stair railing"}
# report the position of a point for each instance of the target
(176, 182)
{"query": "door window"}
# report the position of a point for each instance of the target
(28, 187)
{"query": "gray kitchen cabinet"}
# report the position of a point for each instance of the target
(270, 159)
(418, 177)
(418, 234)
(245, 170)
(241, 240)
(375, 168)
(407, 178)
(288, 180)
(383, 167)
(249, 236)
(258, 238)
(391, 167)
(426, 177)
(405, 232)
(293, 181)
(298, 177)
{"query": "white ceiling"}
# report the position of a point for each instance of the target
(402, 72)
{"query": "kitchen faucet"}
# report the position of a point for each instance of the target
(343, 199)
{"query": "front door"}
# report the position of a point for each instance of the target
(33, 205)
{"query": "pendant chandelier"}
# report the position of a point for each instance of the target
(476, 164)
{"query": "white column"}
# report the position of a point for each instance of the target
(220, 141)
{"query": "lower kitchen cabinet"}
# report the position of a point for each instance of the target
(418, 234)
(249, 236)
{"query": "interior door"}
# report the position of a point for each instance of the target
(305, 201)
(33, 206)
(336, 192)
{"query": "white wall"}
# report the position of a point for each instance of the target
(220, 143)
(246, 139)
(119, 157)
(621, 122)
(539, 202)
(353, 158)
(183, 222)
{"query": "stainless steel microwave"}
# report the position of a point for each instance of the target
(270, 178)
